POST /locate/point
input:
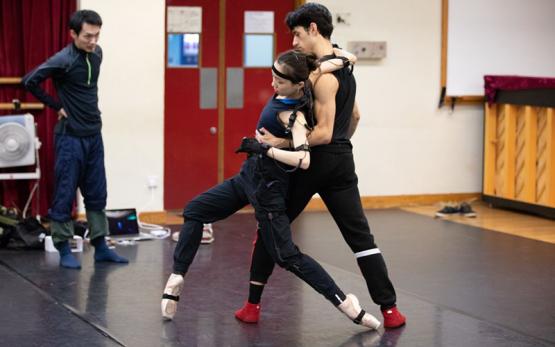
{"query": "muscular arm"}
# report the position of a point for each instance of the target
(334, 64)
(293, 158)
(325, 89)
(343, 53)
(355, 117)
(264, 136)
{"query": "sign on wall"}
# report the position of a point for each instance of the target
(259, 22)
(184, 19)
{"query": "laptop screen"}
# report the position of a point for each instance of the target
(123, 222)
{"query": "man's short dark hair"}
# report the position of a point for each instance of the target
(84, 16)
(311, 13)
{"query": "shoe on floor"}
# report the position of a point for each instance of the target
(392, 318)
(351, 308)
(249, 313)
(466, 210)
(447, 211)
(171, 295)
(207, 234)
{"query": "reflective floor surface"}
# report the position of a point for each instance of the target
(458, 286)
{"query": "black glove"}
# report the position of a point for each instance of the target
(252, 146)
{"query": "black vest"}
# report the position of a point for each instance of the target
(269, 118)
(344, 104)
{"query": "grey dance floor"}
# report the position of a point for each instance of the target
(458, 286)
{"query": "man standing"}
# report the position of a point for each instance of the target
(78, 145)
(332, 170)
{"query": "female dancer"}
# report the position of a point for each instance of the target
(263, 182)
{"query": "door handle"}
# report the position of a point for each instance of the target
(213, 130)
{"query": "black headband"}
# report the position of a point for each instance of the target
(284, 76)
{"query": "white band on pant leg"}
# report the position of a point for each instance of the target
(338, 298)
(367, 252)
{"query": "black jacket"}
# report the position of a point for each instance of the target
(75, 75)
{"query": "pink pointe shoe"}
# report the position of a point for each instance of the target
(351, 308)
(171, 296)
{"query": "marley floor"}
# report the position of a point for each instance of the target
(459, 285)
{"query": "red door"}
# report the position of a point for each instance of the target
(240, 122)
(205, 114)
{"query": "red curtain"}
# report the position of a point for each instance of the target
(30, 32)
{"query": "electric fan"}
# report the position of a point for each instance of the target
(19, 147)
(17, 141)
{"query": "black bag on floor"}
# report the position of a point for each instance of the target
(7, 226)
(26, 234)
(5, 233)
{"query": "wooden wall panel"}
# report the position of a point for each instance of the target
(490, 141)
(550, 156)
(519, 153)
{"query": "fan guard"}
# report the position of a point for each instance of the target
(15, 142)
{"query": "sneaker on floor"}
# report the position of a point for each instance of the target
(392, 318)
(249, 313)
(466, 210)
(448, 210)
(351, 308)
(207, 234)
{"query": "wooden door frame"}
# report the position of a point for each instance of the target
(221, 90)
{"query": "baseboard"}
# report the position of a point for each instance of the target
(316, 204)
(391, 201)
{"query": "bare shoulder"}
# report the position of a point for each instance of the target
(322, 78)
(325, 85)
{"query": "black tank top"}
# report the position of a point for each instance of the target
(344, 103)
(269, 118)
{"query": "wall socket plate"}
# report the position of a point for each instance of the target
(368, 49)
(152, 181)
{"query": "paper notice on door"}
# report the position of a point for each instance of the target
(259, 22)
(184, 19)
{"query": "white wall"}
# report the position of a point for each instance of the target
(131, 93)
(404, 144)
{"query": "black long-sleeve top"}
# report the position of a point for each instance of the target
(75, 76)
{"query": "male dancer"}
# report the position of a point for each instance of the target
(79, 149)
(332, 171)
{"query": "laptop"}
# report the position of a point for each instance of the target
(124, 224)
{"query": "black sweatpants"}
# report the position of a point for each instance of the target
(332, 175)
(262, 184)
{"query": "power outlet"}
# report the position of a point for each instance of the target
(152, 181)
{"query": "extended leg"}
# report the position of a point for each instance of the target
(277, 239)
(343, 201)
(212, 205)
